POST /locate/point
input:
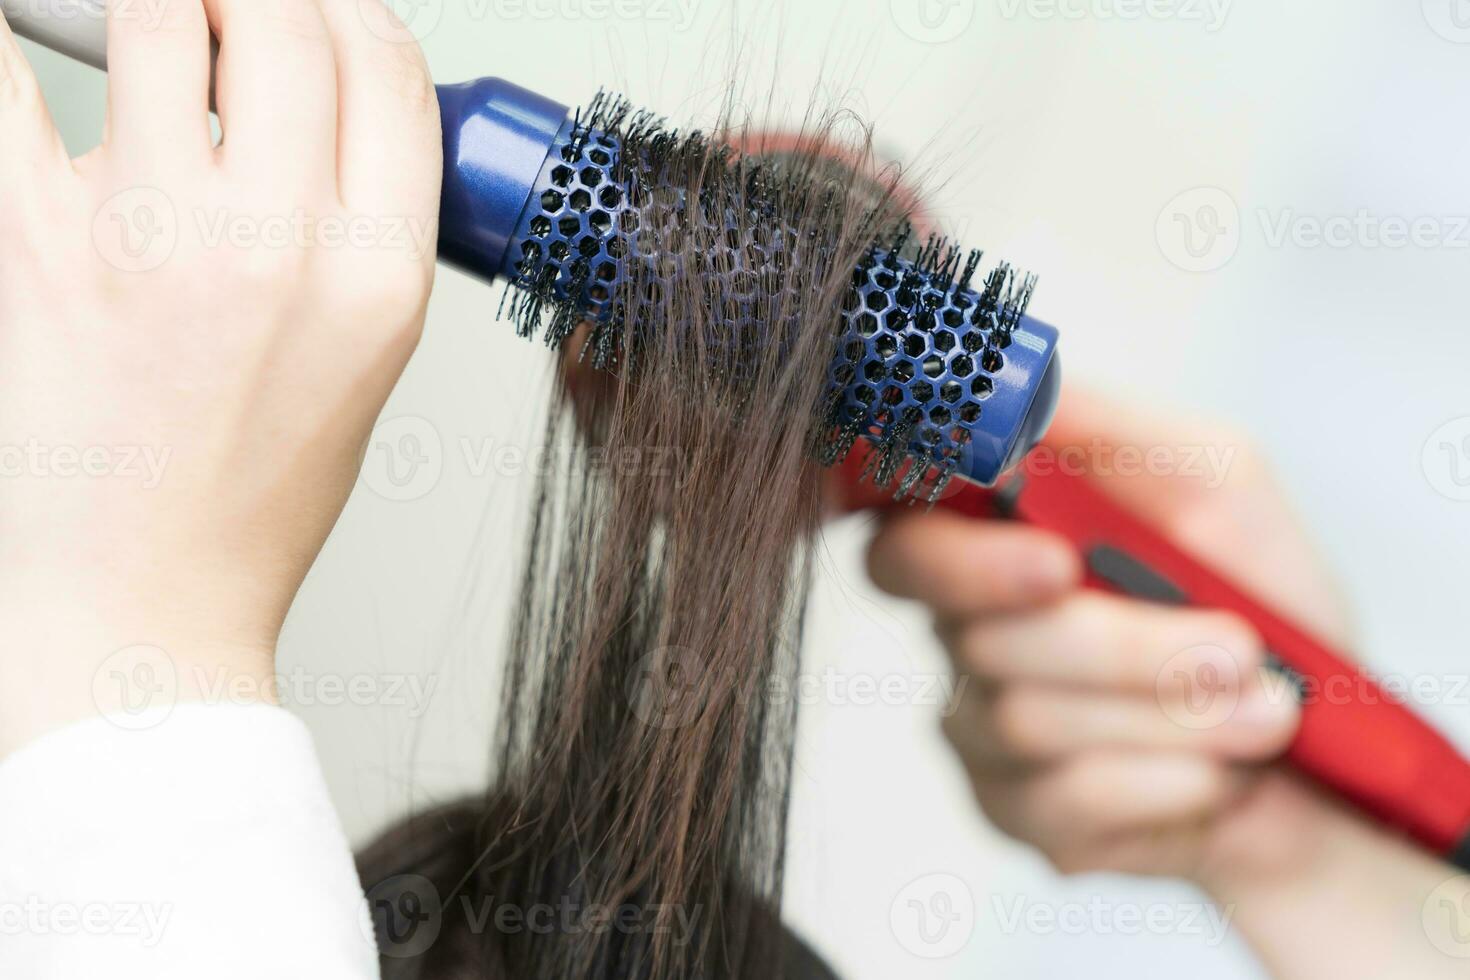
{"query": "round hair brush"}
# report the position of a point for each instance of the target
(936, 371)
(941, 371)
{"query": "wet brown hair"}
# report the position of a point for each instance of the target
(644, 755)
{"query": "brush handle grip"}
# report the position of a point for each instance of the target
(1355, 737)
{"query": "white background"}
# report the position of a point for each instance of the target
(1061, 131)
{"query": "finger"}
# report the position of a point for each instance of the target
(32, 144)
(1035, 724)
(1147, 459)
(1088, 417)
(961, 566)
(1090, 639)
(1103, 794)
(276, 92)
(1204, 486)
(1177, 850)
(389, 151)
(158, 80)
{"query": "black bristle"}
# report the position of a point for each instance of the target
(900, 239)
(558, 285)
(972, 262)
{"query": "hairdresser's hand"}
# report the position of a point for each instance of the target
(1068, 727)
(195, 340)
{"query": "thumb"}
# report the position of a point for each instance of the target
(1154, 463)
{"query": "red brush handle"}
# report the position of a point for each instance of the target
(1355, 737)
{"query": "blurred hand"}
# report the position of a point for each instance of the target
(1072, 728)
(195, 340)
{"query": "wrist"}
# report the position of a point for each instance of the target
(59, 666)
(1283, 836)
(1318, 890)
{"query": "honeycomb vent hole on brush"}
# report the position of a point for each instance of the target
(923, 338)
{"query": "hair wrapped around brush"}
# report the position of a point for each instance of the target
(646, 732)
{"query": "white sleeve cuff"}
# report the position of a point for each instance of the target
(201, 845)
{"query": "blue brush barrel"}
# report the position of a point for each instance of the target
(920, 354)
